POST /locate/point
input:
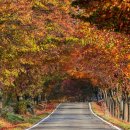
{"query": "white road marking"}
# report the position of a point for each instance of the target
(43, 119)
(103, 119)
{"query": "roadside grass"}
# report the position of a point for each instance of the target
(3, 123)
(100, 112)
(28, 120)
(34, 119)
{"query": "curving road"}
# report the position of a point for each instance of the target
(73, 116)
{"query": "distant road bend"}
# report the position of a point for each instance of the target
(73, 116)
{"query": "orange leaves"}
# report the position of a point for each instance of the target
(94, 81)
(80, 75)
(45, 36)
(97, 61)
(128, 56)
(107, 14)
(127, 68)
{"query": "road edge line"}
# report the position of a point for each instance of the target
(44, 118)
(90, 107)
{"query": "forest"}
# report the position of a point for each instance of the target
(51, 49)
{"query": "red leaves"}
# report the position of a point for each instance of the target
(100, 61)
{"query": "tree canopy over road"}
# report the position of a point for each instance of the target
(46, 43)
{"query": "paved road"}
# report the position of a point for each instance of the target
(73, 116)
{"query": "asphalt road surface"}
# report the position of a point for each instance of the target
(73, 116)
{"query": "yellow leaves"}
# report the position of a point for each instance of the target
(26, 61)
(11, 72)
(8, 76)
(40, 4)
(54, 2)
(48, 46)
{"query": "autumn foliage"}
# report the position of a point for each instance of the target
(43, 43)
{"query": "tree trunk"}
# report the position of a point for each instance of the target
(129, 112)
(125, 111)
(1, 106)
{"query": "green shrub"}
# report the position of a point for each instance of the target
(15, 118)
(21, 107)
(35, 118)
(4, 111)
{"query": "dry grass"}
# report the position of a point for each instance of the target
(107, 116)
(4, 123)
(29, 119)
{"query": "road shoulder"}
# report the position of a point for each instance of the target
(114, 122)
